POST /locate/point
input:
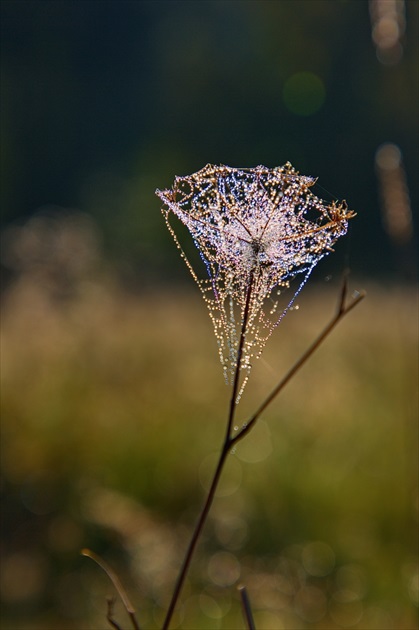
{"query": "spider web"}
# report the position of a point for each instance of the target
(255, 230)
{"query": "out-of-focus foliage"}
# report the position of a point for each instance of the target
(113, 405)
(104, 102)
(113, 408)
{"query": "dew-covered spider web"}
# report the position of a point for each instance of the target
(256, 230)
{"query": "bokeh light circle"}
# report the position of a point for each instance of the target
(304, 93)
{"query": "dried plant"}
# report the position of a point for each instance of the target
(255, 230)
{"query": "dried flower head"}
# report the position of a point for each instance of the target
(255, 230)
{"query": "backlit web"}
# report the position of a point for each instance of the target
(255, 229)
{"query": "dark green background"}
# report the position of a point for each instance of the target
(106, 392)
(102, 102)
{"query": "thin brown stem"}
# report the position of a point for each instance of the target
(342, 310)
(247, 610)
(109, 614)
(239, 358)
(198, 529)
(223, 455)
(117, 584)
(229, 441)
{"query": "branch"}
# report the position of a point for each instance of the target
(223, 455)
(342, 310)
(118, 586)
(239, 359)
(197, 531)
(229, 440)
(109, 614)
(247, 610)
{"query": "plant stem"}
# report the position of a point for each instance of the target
(247, 610)
(229, 440)
(223, 456)
(198, 528)
(342, 310)
(239, 358)
(118, 587)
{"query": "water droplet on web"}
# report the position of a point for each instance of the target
(236, 428)
(254, 229)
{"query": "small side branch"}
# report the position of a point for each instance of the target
(109, 614)
(247, 610)
(229, 440)
(118, 587)
(343, 309)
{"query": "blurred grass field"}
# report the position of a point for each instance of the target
(113, 408)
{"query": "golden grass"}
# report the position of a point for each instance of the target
(112, 407)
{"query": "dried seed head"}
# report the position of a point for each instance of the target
(259, 227)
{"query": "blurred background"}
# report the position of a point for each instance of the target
(109, 367)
